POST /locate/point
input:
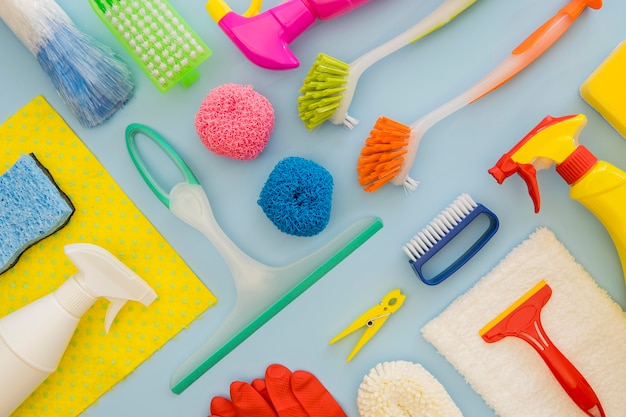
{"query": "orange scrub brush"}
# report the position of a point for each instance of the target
(328, 88)
(389, 151)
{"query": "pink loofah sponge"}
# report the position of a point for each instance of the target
(235, 121)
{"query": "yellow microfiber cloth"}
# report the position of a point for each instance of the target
(105, 216)
(605, 89)
(580, 318)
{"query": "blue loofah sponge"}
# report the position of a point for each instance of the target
(297, 196)
(32, 207)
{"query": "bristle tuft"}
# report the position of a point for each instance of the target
(87, 75)
(383, 154)
(164, 46)
(439, 227)
(322, 90)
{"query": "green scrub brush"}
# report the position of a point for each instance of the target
(156, 36)
(328, 88)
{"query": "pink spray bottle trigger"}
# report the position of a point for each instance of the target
(264, 38)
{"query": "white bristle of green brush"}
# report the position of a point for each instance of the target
(156, 37)
(439, 227)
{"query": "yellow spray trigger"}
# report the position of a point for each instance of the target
(218, 9)
(373, 319)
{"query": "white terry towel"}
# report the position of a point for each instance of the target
(580, 318)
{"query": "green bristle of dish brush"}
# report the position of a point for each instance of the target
(322, 90)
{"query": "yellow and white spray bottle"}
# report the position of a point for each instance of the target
(597, 185)
(34, 338)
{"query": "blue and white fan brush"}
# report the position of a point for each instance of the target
(90, 79)
(441, 230)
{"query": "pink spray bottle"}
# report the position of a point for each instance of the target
(264, 38)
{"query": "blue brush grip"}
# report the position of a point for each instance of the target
(467, 255)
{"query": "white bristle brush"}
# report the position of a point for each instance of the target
(90, 79)
(443, 228)
(403, 389)
(164, 46)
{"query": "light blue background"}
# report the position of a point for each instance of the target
(453, 158)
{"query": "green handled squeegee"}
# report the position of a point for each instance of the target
(262, 290)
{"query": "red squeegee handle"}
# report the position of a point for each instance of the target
(524, 322)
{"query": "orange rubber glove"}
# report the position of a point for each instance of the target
(246, 400)
(278, 383)
(222, 407)
(249, 402)
(281, 394)
(313, 396)
(259, 385)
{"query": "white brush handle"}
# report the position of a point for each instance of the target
(443, 14)
(507, 69)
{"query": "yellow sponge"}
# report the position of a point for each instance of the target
(605, 89)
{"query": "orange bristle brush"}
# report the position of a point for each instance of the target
(389, 151)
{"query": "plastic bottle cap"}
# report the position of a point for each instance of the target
(576, 165)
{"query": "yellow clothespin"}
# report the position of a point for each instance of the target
(373, 319)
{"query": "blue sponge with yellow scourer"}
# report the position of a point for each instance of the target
(32, 207)
(297, 196)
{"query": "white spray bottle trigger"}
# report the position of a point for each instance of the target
(102, 275)
(115, 305)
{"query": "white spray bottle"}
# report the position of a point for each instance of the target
(34, 338)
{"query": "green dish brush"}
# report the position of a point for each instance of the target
(330, 84)
(165, 47)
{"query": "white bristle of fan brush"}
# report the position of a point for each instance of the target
(32, 25)
(89, 78)
(402, 389)
(440, 226)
